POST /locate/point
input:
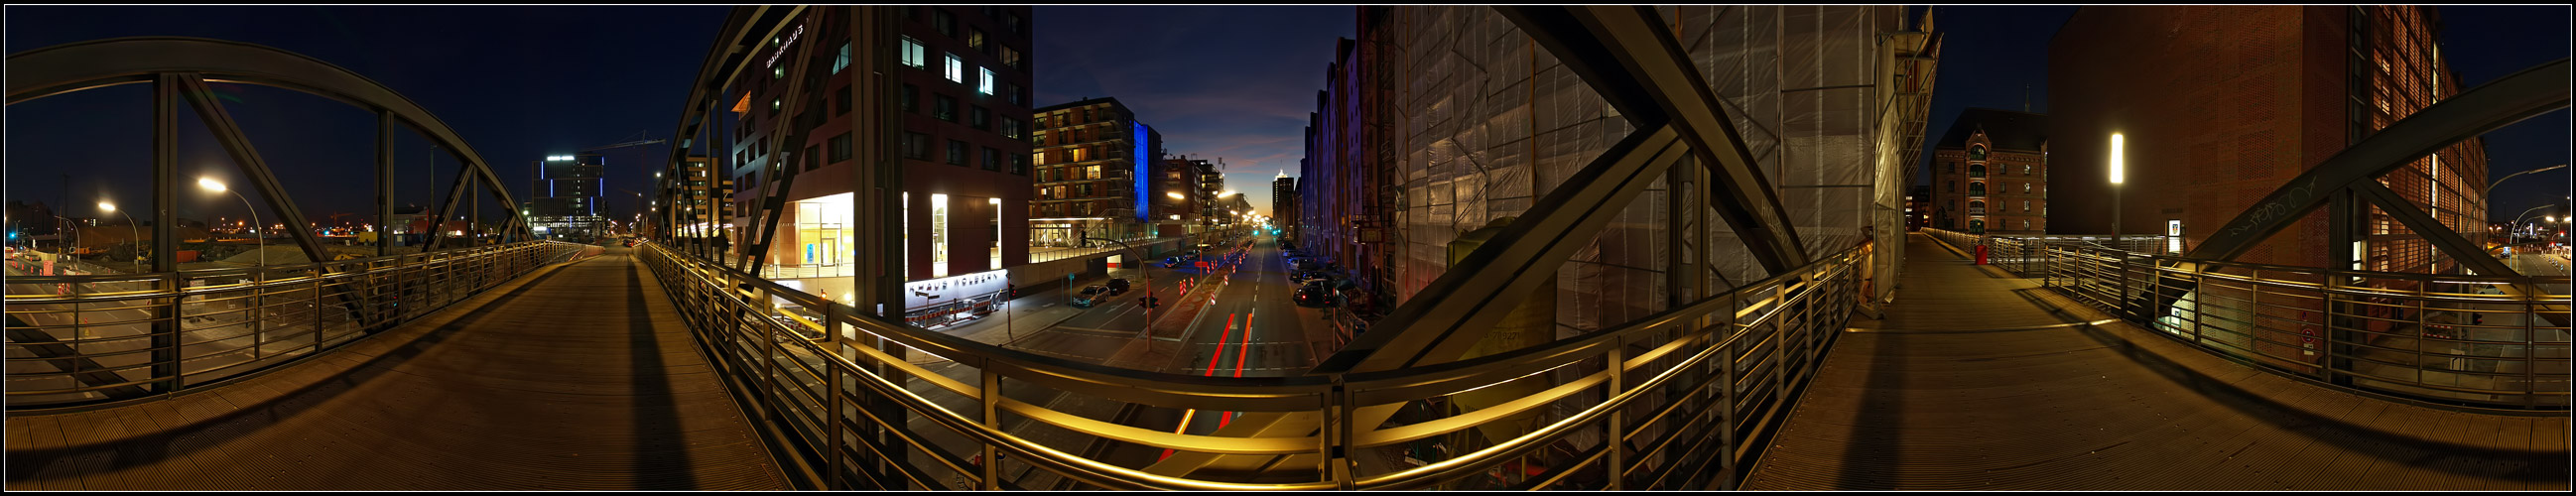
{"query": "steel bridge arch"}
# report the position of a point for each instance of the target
(181, 67)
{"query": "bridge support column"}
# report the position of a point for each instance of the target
(165, 243)
(2344, 235)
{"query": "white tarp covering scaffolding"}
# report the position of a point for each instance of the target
(1487, 122)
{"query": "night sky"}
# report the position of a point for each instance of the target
(1231, 82)
(520, 83)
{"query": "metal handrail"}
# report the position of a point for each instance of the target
(1758, 327)
(76, 347)
(2377, 332)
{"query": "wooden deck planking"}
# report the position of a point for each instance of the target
(522, 393)
(1913, 402)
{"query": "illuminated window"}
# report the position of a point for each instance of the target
(974, 38)
(2025, 189)
(956, 69)
(986, 84)
(844, 61)
(1011, 58)
(913, 56)
(1010, 127)
(1038, 158)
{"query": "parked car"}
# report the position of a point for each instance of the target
(1301, 277)
(1091, 295)
(1314, 294)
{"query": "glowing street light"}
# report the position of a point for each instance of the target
(260, 241)
(129, 226)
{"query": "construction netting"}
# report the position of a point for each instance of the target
(1489, 122)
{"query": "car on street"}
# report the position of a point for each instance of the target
(1091, 296)
(1314, 294)
(1117, 285)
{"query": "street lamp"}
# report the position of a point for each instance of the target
(2482, 193)
(260, 241)
(2116, 177)
(129, 226)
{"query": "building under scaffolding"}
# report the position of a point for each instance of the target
(1473, 122)
(1439, 125)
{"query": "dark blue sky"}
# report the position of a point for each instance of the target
(1230, 82)
(517, 83)
(520, 83)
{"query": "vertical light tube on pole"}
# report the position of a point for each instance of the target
(2117, 176)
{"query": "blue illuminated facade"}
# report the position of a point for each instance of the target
(1144, 171)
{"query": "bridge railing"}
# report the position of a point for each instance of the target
(1684, 390)
(2022, 254)
(2450, 339)
(88, 340)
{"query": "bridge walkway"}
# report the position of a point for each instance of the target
(579, 377)
(1976, 379)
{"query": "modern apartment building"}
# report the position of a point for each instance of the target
(563, 202)
(963, 74)
(1095, 166)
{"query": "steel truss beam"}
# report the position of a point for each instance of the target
(2493, 105)
(2356, 171)
(1675, 115)
(790, 127)
(1632, 60)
